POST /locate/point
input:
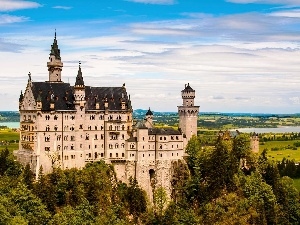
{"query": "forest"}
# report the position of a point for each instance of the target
(227, 184)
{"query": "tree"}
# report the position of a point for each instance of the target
(28, 177)
(136, 199)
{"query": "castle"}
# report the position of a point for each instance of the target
(69, 126)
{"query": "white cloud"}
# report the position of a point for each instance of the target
(7, 19)
(158, 2)
(293, 13)
(279, 2)
(12, 5)
(62, 7)
(249, 60)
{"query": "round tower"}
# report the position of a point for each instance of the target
(149, 119)
(188, 112)
(54, 65)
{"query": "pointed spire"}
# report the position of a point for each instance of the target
(54, 48)
(79, 78)
(149, 113)
(21, 97)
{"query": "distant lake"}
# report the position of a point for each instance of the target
(270, 130)
(10, 124)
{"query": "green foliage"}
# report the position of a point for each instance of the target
(8, 166)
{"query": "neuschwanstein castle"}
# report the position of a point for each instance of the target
(69, 126)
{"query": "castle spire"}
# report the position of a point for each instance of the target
(79, 79)
(54, 48)
(54, 65)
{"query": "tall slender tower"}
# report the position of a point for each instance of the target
(188, 112)
(54, 65)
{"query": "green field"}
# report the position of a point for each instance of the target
(9, 138)
(284, 150)
(297, 183)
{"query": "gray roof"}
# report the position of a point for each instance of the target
(163, 131)
(62, 94)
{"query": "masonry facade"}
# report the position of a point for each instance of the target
(68, 126)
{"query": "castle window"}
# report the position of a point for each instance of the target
(102, 136)
(143, 138)
(122, 136)
(96, 155)
(117, 146)
(89, 127)
(172, 138)
(143, 155)
(117, 155)
(177, 146)
(101, 154)
(123, 127)
(29, 117)
(160, 146)
(90, 155)
(95, 146)
(110, 155)
(95, 127)
(58, 157)
(177, 138)
(123, 155)
(160, 138)
(72, 147)
(122, 145)
(24, 117)
(80, 145)
(89, 146)
(101, 127)
(110, 127)
(165, 138)
(161, 155)
(172, 146)
(143, 146)
(177, 154)
(172, 154)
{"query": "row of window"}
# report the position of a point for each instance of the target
(29, 117)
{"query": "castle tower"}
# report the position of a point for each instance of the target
(54, 65)
(188, 113)
(149, 119)
(79, 89)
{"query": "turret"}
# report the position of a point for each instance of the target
(79, 89)
(188, 95)
(21, 99)
(188, 113)
(149, 119)
(54, 65)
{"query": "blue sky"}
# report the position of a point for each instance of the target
(239, 55)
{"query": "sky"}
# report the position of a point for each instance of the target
(238, 55)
